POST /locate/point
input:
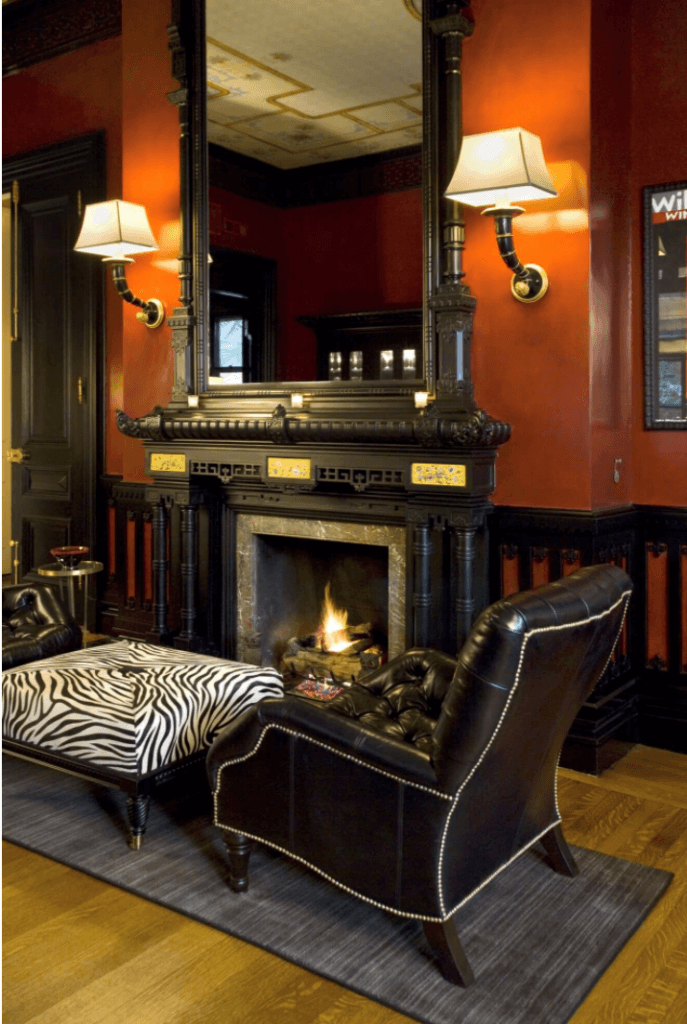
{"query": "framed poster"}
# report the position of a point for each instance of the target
(665, 306)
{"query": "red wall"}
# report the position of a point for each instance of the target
(659, 154)
(610, 294)
(531, 362)
(344, 257)
(75, 94)
(119, 85)
(606, 90)
(150, 175)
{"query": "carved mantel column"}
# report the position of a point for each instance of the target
(188, 640)
(450, 306)
(160, 631)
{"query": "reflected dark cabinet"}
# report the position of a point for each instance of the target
(384, 345)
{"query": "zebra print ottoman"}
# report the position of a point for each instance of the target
(127, 714)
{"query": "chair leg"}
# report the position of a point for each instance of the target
(239, 849)
(559, 852)
(453, 963)
(137, 808)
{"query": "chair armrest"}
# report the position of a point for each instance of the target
(314, 722)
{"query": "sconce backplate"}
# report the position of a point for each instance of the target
(533, 287)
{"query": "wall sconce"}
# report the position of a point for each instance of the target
(297, 400)
(421, 399)
(502, 168)
(114, 230)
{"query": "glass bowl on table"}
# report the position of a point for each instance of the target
(69, 556)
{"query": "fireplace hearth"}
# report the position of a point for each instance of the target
(285, 567)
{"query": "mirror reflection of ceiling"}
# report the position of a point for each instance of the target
(297, 82)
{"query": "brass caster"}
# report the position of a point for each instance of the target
(135, 841)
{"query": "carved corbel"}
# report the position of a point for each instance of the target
(148, 427)
(480, 430)
(278, 427)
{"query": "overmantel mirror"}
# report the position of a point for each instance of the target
(304, 114)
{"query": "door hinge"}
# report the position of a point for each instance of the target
(79, 389)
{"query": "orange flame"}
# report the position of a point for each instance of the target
(332, 629)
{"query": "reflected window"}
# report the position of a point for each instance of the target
(230, 344)
(242, 318)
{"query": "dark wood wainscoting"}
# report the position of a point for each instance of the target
(643, 695)
(641, 698)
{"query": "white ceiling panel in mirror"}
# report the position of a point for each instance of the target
(296, 84)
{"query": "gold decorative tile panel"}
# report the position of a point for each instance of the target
(438, 474)
(289, 469)
(167, 463)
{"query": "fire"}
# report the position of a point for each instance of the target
(332, 632)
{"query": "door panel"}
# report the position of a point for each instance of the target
(40, 533)
(56, 416)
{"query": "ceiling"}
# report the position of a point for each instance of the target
(293, 83)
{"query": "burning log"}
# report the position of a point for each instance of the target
(336, 652)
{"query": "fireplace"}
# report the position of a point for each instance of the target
(284, 566)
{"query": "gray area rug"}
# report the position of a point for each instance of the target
(537, 941)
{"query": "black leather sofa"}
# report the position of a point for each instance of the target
(412, 789)
(35, 624)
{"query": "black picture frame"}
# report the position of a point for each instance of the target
(665, 306)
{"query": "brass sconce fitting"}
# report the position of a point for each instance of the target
(499, 168)
(529, 282)
(113, 230)
(152, 312)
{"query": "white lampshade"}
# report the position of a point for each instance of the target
(115, 228)
(496, 167)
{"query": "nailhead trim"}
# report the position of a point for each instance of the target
(498, 871)
(326, 746)
(533, 632)
(383, 906)
(335, 881)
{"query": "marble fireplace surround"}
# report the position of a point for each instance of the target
(249, 527)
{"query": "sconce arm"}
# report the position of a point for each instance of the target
(530, 282)
(152, 312)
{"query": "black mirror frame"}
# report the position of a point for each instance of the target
(359, 412)
(651, 404)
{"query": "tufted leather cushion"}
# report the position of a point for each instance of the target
(402, 699)
(413, 787)
(35, 624)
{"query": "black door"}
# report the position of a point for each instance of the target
(56, 349)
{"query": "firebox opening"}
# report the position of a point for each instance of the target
(291, 576)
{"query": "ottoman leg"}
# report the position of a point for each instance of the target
(239, 849)
(137, 809)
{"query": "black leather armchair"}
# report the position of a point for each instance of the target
(35, 624)
(415, 787)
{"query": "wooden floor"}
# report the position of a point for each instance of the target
(78, 951)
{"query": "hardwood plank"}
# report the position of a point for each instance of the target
(80, 950)
(77, 946)
(38, 889)
(647, 772)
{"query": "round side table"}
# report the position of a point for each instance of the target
(83, 569)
